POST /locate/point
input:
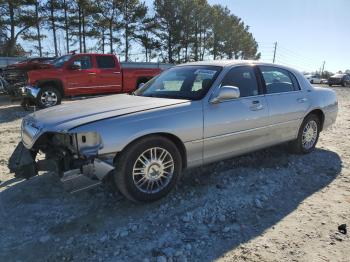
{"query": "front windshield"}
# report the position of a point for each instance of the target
(185, 82)
(58, 63)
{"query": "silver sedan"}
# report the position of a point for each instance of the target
(190, 115)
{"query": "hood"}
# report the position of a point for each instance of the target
(30, 66)
(72, 114)
(40, 73)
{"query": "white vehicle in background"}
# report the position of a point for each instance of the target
(313, 79)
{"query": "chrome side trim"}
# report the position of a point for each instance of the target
(94, 86)
(242, 132)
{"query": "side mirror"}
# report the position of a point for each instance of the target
(75, 67)
(141, 85)
(225, 93)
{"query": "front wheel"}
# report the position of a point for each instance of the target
(48, 96)
(148, 169)
(308, 135)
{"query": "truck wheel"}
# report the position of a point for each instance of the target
(148, 169)
(308, 135)
(48, 96)
(140, 82)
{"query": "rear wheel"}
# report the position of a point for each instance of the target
(49, 96)
(148, 169)
(307, 136)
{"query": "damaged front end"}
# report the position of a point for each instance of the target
(67, 154)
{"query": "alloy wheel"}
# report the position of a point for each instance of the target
(48, 98)
(309, 135)
(153, 170)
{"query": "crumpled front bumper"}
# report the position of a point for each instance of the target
(30, 91)
(22, 162)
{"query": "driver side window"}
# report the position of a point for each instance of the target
(244, 78)
(84, 62)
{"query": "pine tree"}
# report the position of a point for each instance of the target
(132, 13)
(15, 20)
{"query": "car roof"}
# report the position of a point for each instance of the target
(229, 63)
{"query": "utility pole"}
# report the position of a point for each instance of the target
(274, 53)
(324, 62)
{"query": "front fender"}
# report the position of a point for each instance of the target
(185, 123)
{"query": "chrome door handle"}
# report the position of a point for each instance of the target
(92, 74)
(117, 73)
(302, 100)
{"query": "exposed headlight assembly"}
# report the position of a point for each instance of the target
(30, 131)
(88, 143)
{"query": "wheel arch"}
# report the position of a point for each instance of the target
(319, 113)
(142, 79)
(54, 83)
(173, 138)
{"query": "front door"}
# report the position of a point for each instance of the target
(287, 102)
(239, 125)
(83, 77)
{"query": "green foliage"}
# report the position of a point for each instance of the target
(174, 31)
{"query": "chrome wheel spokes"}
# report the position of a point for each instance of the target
(153, 170)
(49, 98)
(309, 134)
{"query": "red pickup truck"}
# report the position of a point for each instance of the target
(85, 74)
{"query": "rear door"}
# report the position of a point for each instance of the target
(239, 125)
(109, 74)
(287, 102)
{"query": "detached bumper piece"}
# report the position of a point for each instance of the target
(22, 163)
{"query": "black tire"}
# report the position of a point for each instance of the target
(123, 175)
(312, 81)
(51, 90)
(296, 146)
(343, 84)
(329, 84)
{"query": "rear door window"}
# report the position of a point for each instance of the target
(278, 80)
(105, 62)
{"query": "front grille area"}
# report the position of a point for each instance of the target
(14, 76)
(16, 79)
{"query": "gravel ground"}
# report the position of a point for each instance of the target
(265, 206)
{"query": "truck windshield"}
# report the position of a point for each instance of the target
(185, 82)
(58, 63)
